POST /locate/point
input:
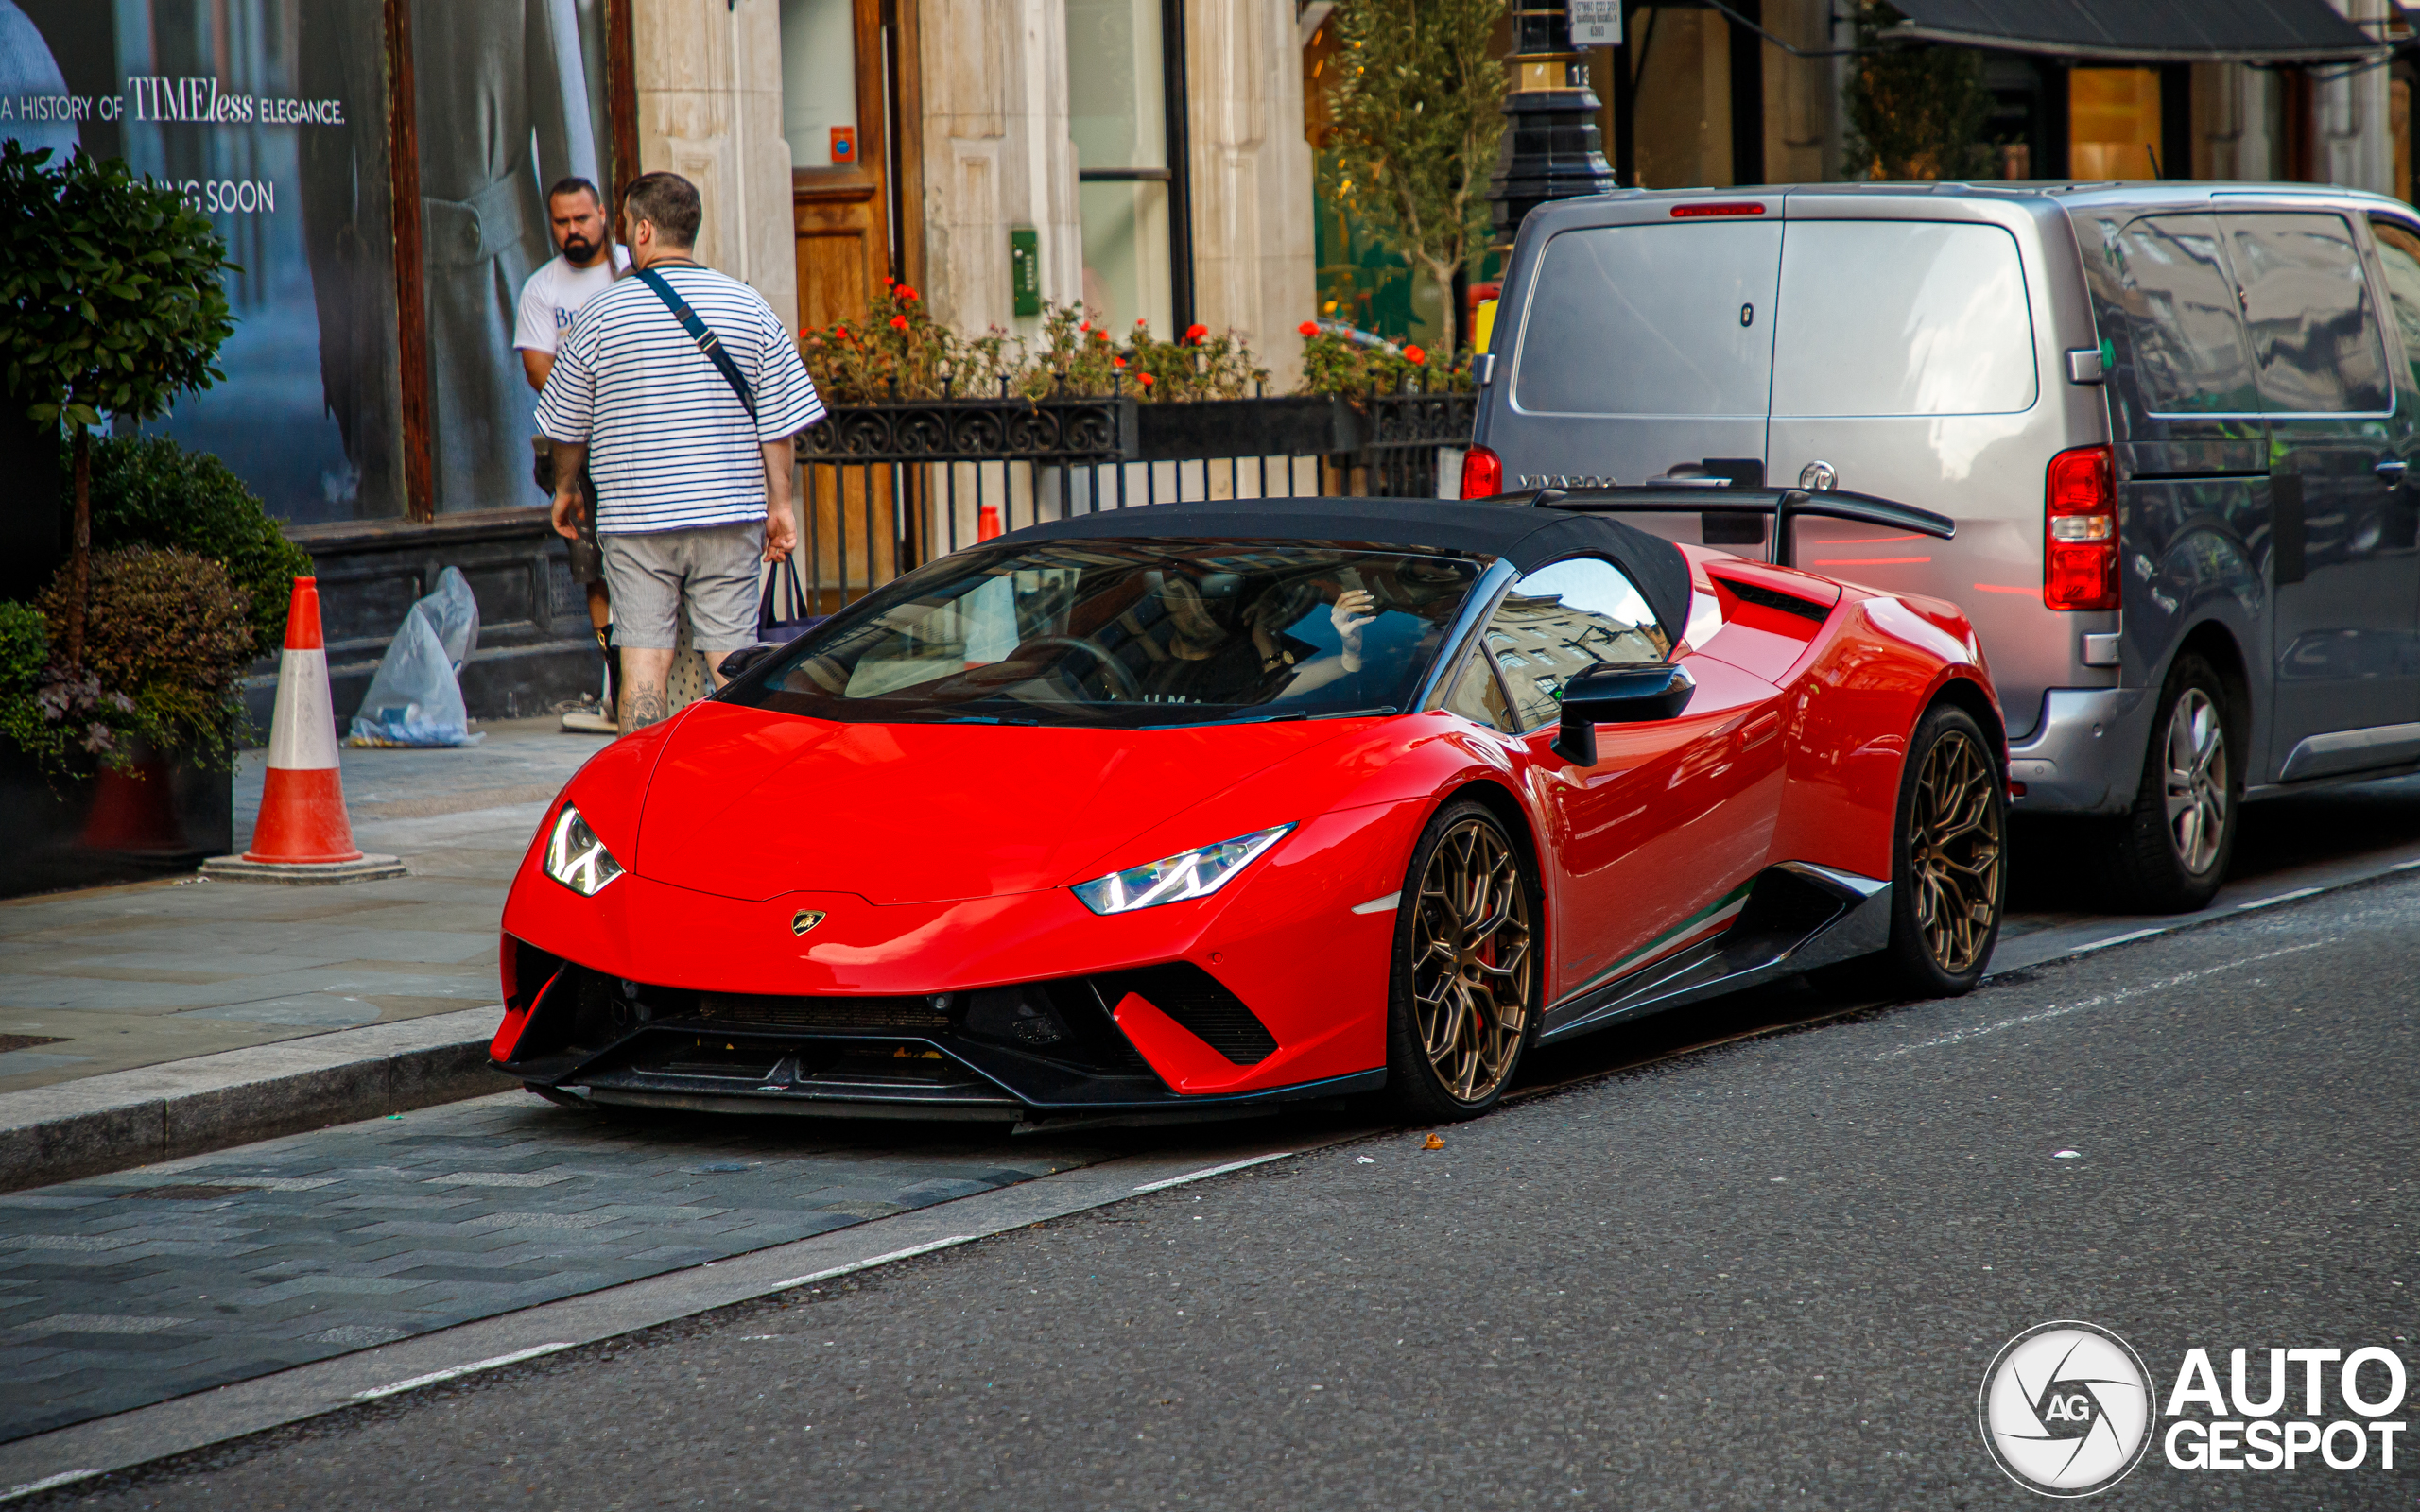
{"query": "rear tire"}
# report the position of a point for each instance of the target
(1462, 1000)
(2170, 853)
(1948, 864)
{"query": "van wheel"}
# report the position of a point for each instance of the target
(2169, 854)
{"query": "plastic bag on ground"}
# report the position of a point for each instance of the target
(415, 697)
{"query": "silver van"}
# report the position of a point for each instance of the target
(2172, 419)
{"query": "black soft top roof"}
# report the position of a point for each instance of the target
(1512, 530)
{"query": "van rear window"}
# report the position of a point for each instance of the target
(1661, 320)
(1901, 318)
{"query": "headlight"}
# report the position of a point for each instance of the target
(1194, 874)
(577, 858)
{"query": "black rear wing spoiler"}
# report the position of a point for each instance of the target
(1783, 504)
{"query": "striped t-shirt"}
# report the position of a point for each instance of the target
(670, 444)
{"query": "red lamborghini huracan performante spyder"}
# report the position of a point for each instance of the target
(1193, 809)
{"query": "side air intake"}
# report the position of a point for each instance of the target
(1195, 999)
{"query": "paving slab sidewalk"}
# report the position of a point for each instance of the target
(212, 985)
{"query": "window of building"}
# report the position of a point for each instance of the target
(818, 80)
(2114, 124)
(1128, 159)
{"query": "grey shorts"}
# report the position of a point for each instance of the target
(712, 570)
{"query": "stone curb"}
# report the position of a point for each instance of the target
(129, 1118)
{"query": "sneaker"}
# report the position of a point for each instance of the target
(589, 722)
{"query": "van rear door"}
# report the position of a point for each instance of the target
(1911, 355)
(1644, 343)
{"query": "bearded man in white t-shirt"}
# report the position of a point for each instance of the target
(585, 262)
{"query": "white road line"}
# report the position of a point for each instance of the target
(435, 1376)
(2102, 1001)
(2120, 939)
(62, 1478)
(1215, 1170)
(871, 1261)
(2283, 897)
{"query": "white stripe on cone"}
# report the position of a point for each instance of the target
(302, 732)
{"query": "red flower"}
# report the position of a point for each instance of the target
(1195, 333)
(1118, 362)
(842, 330)
(1308, 327)
(1143, 378)
(907, 293)
(1083, 325)
(899, 322)
(888, 281)
(1141, 323)
(1414, 355)
(1101, 336)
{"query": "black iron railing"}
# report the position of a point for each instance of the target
(887, 485)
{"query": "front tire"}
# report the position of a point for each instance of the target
(1948, 865)
(1462, 1000)
(2169, 853)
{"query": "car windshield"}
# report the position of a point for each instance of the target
(1129, 633)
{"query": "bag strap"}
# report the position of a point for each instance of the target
(706, 339)
(786, 577)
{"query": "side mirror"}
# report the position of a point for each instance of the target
(740, 660)
(1606, 695)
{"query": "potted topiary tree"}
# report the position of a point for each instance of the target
(118, 729)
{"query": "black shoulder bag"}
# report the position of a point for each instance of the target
(706, 339)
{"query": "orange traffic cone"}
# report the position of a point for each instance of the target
(302, 834)
(987, 521)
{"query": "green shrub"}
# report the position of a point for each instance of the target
(25, 648)
(66, 723)
(166, 638)
(149, 491)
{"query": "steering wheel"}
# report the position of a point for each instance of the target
(1118, 672)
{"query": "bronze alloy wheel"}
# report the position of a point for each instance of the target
(1954, 852)
(1471, 975)
(2196, 760)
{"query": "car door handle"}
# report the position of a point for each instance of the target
(2390, 470)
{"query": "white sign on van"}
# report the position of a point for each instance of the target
(1595, 22)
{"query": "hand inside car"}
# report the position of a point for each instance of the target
(1353, 609)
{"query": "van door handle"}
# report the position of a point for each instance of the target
(2390, 470)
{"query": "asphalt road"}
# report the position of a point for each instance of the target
(1769, 1274)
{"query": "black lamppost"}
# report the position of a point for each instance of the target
(1552, 148)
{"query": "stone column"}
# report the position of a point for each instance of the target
(1252, 257)
(996, 155)
(709, 77)
(2353, 115)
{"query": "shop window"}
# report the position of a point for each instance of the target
(2114, 124)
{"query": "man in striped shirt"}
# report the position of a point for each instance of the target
(693, 478)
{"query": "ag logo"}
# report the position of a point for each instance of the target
(2067, 1409)
(805, 919)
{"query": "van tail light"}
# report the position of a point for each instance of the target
(1483, 474)
(2080, 531)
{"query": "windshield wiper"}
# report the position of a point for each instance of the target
(1356, 713)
